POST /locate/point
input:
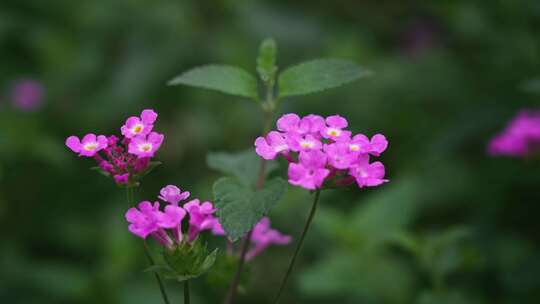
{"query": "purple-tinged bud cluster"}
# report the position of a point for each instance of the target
(322, 151)
(520, 138)
(165, 225)
(122, 158)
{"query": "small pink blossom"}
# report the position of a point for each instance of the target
(312, 124)
(121, 179)
(310, 172)
(136, 126)
(89, 146)
(307, 142)
(145, 146)
(335, 127)
(366, 174)
(200, 217)
(172, 194)
(339, 155)
(264, 236)
(362, 144)
(288, 123)
(144, 220)
(273, 144)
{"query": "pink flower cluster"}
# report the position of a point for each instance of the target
(320, 150)
(165, 226)
(122, 158)
(521, 137)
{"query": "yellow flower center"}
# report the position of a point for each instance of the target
(354, 147)
(90, 146)
(306, 144)
(334, 132)
(145, 147)
(138, 128)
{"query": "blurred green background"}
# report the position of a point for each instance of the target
(453, 226)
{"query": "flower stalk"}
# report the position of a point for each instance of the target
(130, 199)
(299, 245)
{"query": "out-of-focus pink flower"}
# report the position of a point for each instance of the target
(172, 194)
(520, 138)
(139, 126)
(145, 146)
(27, 95)
(264, 236)
(310, 172)
(366, 174)
(200, 217)
(89, 146)
(270, 146)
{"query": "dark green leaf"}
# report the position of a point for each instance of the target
(224, 78)
(243, 165)
(266, 61)
(317, 75)
(240, 208)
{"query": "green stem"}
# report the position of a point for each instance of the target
(186, 292)
(130, 196)
(299, 245)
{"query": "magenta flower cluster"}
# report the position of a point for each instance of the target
(122, 158)
(521, 137)
(322, 149)
(165, 225)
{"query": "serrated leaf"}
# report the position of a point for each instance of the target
(266, 61)
(224, 78)
(318, 75)
(240, 207)
(244, 165)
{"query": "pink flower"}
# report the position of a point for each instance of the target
(200, 217)
(335, 127)
(521, 137)
(263, 236)
(89, 146)
(145, 146)
(136, 126)
(339, 155)
(288, 123)
(172, 194)
(361, 144)
(366, 174)
(27, 94)
(312, 124)
(299, 142)
(144, 220)
(310, 172)
(270, 146)
(121, 179)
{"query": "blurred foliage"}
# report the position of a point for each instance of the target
(452, 226)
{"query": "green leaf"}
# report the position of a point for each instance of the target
(224, 78)
(266, 61)
(244, 165)
(318, 75)
(240, 207)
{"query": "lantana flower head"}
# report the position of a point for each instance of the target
(125, 159)
(165, 225)
(520, 138)
(321, 151)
